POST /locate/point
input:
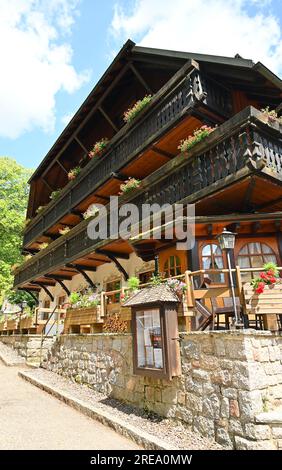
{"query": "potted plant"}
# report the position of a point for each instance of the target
(132, 112)
(55, 194)
(198, 135)
(64, 230)
(42, 246)
(72, 174)
(98, 148)
(268, 277)
(91, 211)
(270, 117)
(129, 185)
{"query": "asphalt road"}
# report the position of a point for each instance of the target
(32, 419)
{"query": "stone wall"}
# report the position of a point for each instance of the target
(28, 346)
(228, 377)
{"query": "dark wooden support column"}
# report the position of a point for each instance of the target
(45, 289)
(113, 257)
(83, 273)
(193, 261)
(279, 243)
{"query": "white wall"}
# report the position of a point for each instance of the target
(105, 273)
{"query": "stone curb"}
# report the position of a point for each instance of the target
(8, 363)
(141, 438)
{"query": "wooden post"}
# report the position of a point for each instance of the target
(190, 289)
(270, 322)
(102, 314)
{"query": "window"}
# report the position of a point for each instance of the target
(172, 266)
(61, 300)
(255, 255)
(212, 258)
(145, 277)
(110, 286)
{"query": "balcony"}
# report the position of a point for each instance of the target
(244, 152)
(188, 89)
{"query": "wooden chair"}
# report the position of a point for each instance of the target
(227, 310)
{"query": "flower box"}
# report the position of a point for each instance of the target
(3, 326)
(82, 316)
(26, 323)
(12, 324)
(268, 303)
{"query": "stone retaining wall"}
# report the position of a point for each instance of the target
(28, 346)
(228, 377)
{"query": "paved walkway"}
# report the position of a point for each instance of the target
(32, 419)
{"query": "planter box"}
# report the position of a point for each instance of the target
(82, 316)
(26, 323)
(268, 304)
(12, 324)
(3, 326)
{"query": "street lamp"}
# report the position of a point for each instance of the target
(23, 305)
(227, 242)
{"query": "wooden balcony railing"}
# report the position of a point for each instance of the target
(240, 147)
(167, 107)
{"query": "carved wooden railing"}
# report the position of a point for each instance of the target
(167, 107)
(240, 146)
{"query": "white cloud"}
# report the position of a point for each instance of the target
(36, 62)
(220, 27)
(65, 119)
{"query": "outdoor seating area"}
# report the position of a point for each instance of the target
(200, 308)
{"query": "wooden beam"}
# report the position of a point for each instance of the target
(110, 253)
(161, 152)
(140, 78)
(62, 166)
(118, 176)
(269, 203)
(45, 289)
(104, 198)
(86, 267)
(88, 116)
(118, 265)
(108, 119)
(256, 226)
(77, 213)
(59, 277)
(81, 145)
(83, 273)
(47, 184)
(248, 194)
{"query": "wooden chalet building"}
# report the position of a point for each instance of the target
(233, 176)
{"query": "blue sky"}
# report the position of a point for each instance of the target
(52, 56)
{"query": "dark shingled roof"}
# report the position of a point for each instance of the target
(161, 293)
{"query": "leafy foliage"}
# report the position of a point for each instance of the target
(198, 135)
(132, 112)
(13, 201)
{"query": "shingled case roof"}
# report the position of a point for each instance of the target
(153, 294)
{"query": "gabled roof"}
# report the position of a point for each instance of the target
(153, 294)
(216, 64)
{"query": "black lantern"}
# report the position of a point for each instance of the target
(226, 240)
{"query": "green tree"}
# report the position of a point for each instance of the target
(13, 202)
